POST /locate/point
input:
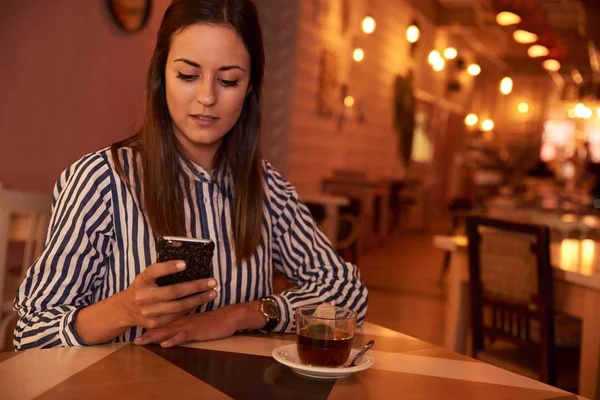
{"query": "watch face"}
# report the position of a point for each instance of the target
(269, 307)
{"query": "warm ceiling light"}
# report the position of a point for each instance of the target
(471, 119)
(506, 18)
(348, 101)
(524, 37)
(523, 107)
(438, 64)
(506, 85)
(450, 53)
(358, 55)
(537, 50)
(368, 24)
(413, 33)
(433, 57)
(551, 65)
(487, 125)
(474, 69)
(579, 110)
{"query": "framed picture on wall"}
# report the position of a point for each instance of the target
(130, 15)
(328, 96)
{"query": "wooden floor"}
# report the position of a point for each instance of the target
(406, 286)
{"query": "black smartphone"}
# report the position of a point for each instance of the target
(197, 254)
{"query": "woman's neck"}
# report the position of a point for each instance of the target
(200, 154)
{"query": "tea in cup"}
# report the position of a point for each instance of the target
(324, 334)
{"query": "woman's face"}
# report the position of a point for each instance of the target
(207, 78)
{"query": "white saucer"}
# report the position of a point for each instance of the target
(288, 356)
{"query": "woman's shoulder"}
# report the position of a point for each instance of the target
(94, 168)
(275, 182)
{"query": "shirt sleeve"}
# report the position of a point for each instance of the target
(62, 280)
(302, 252)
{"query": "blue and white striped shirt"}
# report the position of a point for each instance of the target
(99, 240)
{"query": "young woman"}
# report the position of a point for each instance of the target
(193, 169)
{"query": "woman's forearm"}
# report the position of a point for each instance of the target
(101, 322)
(248, 316)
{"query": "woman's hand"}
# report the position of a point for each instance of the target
(148, 305)
(211, 325)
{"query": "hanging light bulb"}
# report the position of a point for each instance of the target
(506, 85)
(438, 64)
(433, 57)
(506, 18)
(471, 119)
(487, 125)
(525, 37)
(450, 53)
(537, 50)
(473, 69)
(576, 75)
(523, 107)
(368, 24)
(358, 54)
(551, 65)
(413, 33)
(348, 101)
(579, 110)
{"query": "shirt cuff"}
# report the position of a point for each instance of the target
(287, 321)
(68, 335)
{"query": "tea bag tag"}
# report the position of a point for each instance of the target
(326, 326)
(325, 310)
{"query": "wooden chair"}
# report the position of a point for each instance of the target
(24, 219)
(513, 325)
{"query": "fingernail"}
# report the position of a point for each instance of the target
(212, 283)
(212, 295)
(180, 265)
(138, 340)
(165, 343)
(218, 289)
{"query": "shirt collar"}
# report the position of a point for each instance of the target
(196, 172)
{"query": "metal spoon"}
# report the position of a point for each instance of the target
(369, 344)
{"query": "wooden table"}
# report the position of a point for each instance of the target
(367, 191)
(576, 271)
(241, 367)
(332, 205)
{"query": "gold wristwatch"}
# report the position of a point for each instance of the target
(270, 309)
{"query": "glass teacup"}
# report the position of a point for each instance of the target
(325, 339)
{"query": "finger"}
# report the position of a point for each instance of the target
(178, 306)
(162, 269)
(158, 335)
(181, 337)
(177, 291)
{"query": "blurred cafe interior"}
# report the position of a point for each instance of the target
(448, 148)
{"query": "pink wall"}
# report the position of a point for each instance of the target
(71, 82)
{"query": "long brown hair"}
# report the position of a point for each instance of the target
(239, 152)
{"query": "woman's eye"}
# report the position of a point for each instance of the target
(227, 83)
(187, 78)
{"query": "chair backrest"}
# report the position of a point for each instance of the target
(511, 287)
(24, 218)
